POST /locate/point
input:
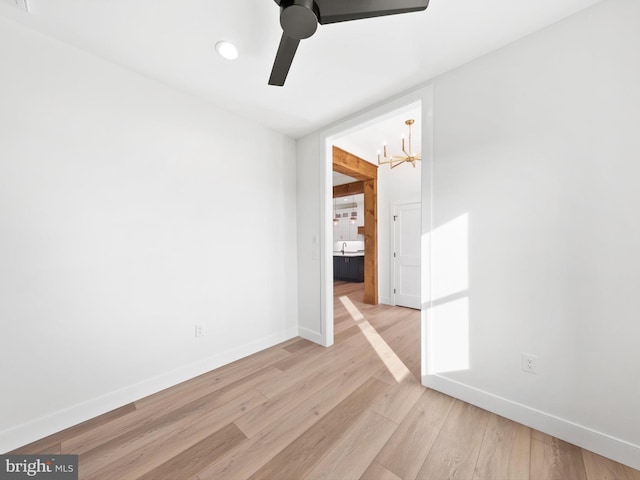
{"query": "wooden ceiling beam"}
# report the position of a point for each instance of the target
(353, 166)
(348, 189)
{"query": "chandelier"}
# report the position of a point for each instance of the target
(407, 154)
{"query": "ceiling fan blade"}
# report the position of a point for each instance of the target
(332, 11)
(284, 57)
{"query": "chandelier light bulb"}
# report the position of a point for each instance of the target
(407, 156)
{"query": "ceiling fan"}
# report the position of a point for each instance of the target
(300, 18)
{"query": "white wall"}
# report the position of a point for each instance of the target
(127, 215)
(310, 276)
(400, 185)
(538, 145)
(534, 194)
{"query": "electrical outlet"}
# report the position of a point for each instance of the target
(199, 331)
(529, 363)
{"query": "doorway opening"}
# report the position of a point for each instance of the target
(358, 253)
(421, 99)
(375, 242)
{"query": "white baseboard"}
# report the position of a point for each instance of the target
(311, 335)
(600, 443)
(20, 435)
(386, 301)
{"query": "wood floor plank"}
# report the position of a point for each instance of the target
(407, 349)
(340, 315)
(261, 448)
(415, 365)
(385, 351)
(53, 443)
(393, 317)
(406, 450)
(199, 456)
(384, 375)
(332, 359)
(341, 327)
(214, 395)
(293, 359)
(277, 407)
(287, 342)
(300, 457)
(215, 379)
(305, 361)
(601, 468)
(378, 472)
(397, 334)
(505, 451)
(554, 459)
(299, 345)
(140, 451)
(351, 456)
(398, 402)
(346, 333)
(455, 451)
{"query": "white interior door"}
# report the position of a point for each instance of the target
(406, 255)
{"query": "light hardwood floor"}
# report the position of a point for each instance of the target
(355, 410)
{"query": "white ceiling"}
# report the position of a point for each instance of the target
(367, 141)
(343, 68)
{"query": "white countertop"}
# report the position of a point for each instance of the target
(338, 253)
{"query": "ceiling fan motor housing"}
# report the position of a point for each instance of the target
(299, 18)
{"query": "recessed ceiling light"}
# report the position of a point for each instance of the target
(227, 50)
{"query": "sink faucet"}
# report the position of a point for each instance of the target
(344, 245)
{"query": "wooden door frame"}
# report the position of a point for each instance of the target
(320, 239)
(367, 174)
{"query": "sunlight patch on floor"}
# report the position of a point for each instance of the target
(393, 363)
(351, 308)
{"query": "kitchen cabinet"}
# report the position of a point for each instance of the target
(348, 268)
(344, 230)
